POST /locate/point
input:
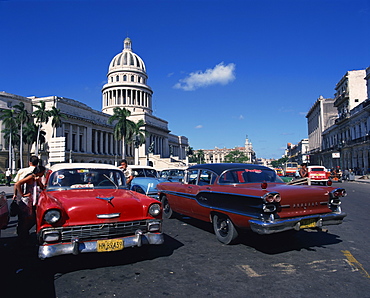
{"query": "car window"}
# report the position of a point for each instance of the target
(192, 177)
(86, 178)
(317, 169)
(206, 177)
(250, 175)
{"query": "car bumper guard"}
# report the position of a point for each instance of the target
(265, 227)
(76, 247)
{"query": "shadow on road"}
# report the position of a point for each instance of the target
(274, 243)
(25, 274)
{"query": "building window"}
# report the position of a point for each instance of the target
(132, 78)
(125, 78)
(117, 78)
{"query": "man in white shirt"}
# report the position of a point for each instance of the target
(34, 161)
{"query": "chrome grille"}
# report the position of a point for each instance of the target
(100, 231)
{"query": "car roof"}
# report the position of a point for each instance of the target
(219, 168)
(140, 167)
(81, 165)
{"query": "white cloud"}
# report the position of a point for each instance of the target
(241, 117)
(220, 74)
(199, 126)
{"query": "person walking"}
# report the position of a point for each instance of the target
(26, 195)
(8, 176)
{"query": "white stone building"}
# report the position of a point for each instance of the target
(89, 137)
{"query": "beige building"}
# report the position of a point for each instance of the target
(87, 135)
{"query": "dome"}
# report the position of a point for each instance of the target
(127, 60)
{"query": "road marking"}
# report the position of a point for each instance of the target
(285, 268)
(356, 265)
(250, 272)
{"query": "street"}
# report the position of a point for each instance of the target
(193, 263)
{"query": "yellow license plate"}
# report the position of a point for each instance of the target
(308, 223)
(109, 245)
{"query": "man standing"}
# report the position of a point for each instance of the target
(303, 172)
(127, 172)
(8, 175)
(34, 161)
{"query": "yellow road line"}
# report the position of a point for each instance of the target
(354, 263)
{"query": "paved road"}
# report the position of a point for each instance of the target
(192, 263)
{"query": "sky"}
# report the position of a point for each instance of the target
(220, 70)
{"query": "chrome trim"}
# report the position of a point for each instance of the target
(77, 247)
(111, 215)
(279, 225)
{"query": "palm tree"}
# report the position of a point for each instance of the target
(57, 119)
(8, 117)
(123, 127)
(138, 137)
(22, 117)
(30, 136)
(42, 116)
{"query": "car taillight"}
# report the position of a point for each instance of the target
(339, 192)
(271, 197)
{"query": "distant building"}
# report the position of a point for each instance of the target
(217, 155)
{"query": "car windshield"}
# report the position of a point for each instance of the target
(86, 178)
(172, 172)
(317, 170)
(250, 175)
(145, 173)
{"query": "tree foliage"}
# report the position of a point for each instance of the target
(236, 156)
(279, 163)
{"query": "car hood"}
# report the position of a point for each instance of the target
(81, 207)
(144, 182)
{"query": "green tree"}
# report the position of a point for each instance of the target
(42, 116)
(200, 156)
(123, 127)
(57, 117)
(23, 117)
(8, 118)
(30, 136)
(279, 163)
(236, 156)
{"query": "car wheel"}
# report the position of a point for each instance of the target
(167, 210)
(224, 229)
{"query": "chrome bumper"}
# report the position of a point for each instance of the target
(280, 225)
(75, 247)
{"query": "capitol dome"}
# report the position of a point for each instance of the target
(127, 59)
(126, 85)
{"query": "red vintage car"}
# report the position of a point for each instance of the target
(87, 207)
(318, 174)
(245, 196)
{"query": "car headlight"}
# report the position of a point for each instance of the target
(52, 216)
(154, 209)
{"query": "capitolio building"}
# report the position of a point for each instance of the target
(85, 134)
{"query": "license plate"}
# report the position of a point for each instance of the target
(109, 245)
(308, 223)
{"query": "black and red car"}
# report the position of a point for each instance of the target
(245, 196)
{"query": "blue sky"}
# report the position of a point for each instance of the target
(219, 69)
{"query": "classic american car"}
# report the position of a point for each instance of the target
(245, 196)
(145, 180)
(87, 207)
(318, 174)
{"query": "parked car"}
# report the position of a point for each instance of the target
(4, 211)
(245, 196)
(87, 207)
(145, 180)
(318, 174)
(172, 174)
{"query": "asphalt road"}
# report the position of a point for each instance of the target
(193, 263)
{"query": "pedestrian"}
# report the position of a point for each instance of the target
(26, 195)
(303, 172)
(33, 162)
(127, 171)
(8, 175)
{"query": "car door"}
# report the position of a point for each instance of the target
(186, 193)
